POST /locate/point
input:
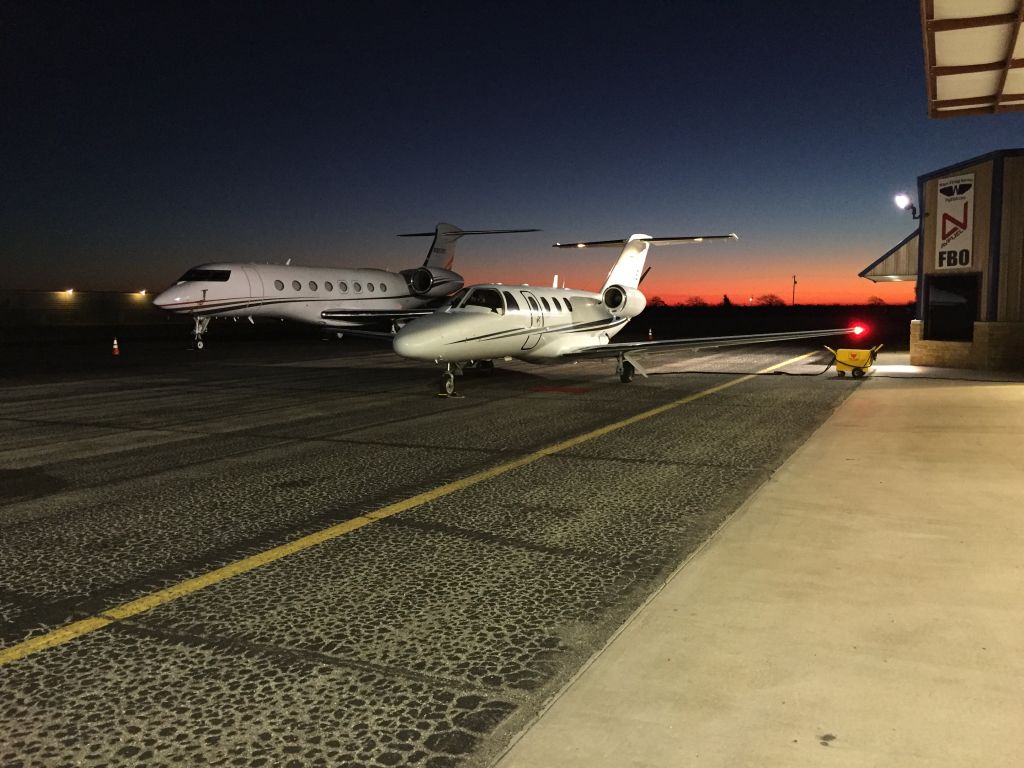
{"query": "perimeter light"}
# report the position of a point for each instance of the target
(142, 292)
(69, 291)
(902, 201)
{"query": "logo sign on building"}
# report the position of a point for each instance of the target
(954, 223)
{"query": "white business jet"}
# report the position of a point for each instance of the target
(545, 325)
(326, 296)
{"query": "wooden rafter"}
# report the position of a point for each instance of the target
(1009, 54)
(999, 100)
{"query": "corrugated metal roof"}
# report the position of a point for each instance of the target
(897, 264)
(974, 56)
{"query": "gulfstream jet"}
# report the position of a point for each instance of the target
(325, 296)
(542, 325)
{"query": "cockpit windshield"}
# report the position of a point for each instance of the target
(456, 297)
(485, 298)
(206, 276)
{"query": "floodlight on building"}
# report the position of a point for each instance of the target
(902, 201)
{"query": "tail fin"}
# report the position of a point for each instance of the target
(629, 269)
(442, 249)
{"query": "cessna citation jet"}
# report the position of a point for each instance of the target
(538, 325)
(333, 298)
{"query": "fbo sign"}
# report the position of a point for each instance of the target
(961, 258)
(954, 222)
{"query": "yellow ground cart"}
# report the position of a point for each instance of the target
(857, 361)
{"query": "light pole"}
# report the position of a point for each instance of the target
(793, 302)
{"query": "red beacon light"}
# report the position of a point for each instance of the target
(859, 329)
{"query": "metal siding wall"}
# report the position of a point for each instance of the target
(1011, 253)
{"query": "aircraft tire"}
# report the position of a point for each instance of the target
(447, 384)
(627, 372)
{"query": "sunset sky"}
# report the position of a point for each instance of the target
(138, 139)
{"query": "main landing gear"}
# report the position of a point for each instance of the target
(625, 368)
(201, 324)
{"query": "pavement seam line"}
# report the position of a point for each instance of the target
(146, 603)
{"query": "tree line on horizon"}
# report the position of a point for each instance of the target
(765, 300)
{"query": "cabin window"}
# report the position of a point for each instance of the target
(383, 288)
(296, 285)
(513, 305)
(567, 304)
(206, 276)
(533, 303)
(547, 307)
(328, 286)
(557, 305)
(487, 298)
(279, 285)
(343, 286)
(312, 285)
(357, 287)
(369, 287)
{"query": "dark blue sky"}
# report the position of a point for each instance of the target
(141, 138)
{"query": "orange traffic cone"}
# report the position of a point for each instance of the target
(115, 351)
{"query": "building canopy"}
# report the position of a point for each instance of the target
(974, 56)
(895, 265)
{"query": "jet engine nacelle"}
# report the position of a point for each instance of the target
(432, 282)
(624, 302)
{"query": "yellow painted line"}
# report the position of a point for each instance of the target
(82, 627)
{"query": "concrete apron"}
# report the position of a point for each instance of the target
(864, 607)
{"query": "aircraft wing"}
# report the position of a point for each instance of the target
(615, 349)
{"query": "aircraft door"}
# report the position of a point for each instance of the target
(536, 320)
(255, 285)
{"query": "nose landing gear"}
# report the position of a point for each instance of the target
(447, 387)
(201, 324)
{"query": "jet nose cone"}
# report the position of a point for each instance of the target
(167, 299)
(162, 299)
(413, 344)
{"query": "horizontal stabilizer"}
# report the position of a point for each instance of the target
(647, 238)
(462, 232)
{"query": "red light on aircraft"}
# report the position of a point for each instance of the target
(859, 329)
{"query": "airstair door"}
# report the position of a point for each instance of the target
(536, 320)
